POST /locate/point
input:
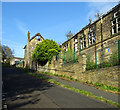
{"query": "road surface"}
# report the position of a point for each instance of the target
(26, 91)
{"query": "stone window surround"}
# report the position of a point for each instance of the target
(115, 23)
(38, 38)
(82, 40)
(91, 36)
(76, 44)
(65, 47)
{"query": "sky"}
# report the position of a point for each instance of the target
(53, 20)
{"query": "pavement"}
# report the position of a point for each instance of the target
(93, 90)
(26, 91)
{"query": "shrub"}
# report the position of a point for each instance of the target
(68, 56)
(44, 51)
(89, 64)
(114, 58)
(105, 64)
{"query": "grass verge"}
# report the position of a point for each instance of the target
(76, 90)
(90, 83)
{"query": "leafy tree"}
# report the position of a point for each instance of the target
(69, 34)
(7, 53)
(45, 50)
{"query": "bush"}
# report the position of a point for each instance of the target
(105, 64)
(89, 64)
(68, 56)
(114, 58)
(113, 61)
(44, 51)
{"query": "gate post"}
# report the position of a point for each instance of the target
(119, 52)
(95, 57)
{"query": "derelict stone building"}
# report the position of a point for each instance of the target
(29, 48)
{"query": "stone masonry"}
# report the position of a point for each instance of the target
(104, 33)
(29, 48)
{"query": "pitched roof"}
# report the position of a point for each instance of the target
(38, 34)
(93, 22)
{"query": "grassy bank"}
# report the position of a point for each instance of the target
(90, 83)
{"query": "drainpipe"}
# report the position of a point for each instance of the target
(101, 39)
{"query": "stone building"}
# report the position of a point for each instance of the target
(103, 33)
(29, 48)
(16, 60)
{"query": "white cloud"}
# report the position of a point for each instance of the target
(102, 7)
(21, 26)
(16, 46)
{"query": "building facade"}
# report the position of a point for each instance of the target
(103, 33)
(16, 60)
(29, 49)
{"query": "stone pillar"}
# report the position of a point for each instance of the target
(60, 61)
(28, 53)
(80, 67)
(52, 66)
(82, 63)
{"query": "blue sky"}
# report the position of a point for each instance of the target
(51, 19)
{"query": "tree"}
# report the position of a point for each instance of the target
(69, 34)
(90, 21)
(98, 15)
(44, 51)
(7, 53)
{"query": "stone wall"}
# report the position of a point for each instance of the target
(106, 44)
(109, 75)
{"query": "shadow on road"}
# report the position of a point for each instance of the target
(21, 88)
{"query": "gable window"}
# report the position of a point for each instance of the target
(82, 41)
(38, 38)
(76, 44)
(115, 23)
(91, 36)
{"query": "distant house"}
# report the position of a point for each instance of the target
(29, 49)
(16, 61)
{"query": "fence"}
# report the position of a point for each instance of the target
(69, 56)
(97, 56)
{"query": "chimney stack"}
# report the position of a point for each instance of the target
(28, 36)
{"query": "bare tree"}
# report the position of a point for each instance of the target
(90, 21)
(98, 15)
(69, 34)
(59, 43)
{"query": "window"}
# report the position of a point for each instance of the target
(76, 47)
(91, 36)
(76, 43)
(82, 41)
(65, 47)
(115, 23)
(38, 38)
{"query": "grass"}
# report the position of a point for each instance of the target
(90, 83)
(76, 90)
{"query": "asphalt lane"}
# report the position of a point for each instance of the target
(26, 91)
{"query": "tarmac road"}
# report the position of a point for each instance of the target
(26, 91)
